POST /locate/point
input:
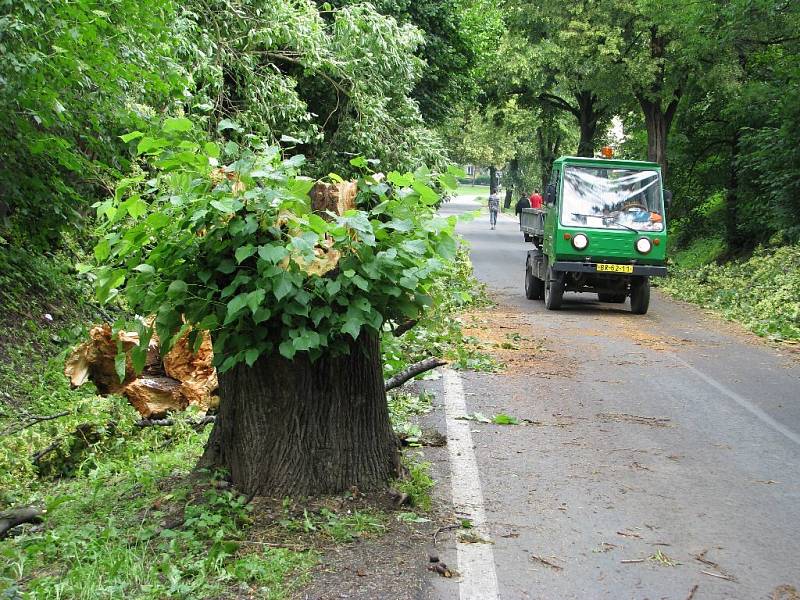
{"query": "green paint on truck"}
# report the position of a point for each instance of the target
(602, 229)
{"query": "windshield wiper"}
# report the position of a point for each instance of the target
(614, 220)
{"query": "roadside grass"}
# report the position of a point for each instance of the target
(472, 190)
(126, 515)
(762, 292)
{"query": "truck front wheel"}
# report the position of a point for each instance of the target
(553, 289)
(640, 295)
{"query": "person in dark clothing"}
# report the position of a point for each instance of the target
(523, 202)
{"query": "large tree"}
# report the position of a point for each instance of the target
(295, 299)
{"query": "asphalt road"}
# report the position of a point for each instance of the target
(656, 442)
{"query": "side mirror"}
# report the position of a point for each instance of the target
(550, 194)
(667, 197)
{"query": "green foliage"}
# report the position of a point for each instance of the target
(440, 330)
(236, 250)
(418, 484)
(761, 292)
(342, 528)
(73, 76)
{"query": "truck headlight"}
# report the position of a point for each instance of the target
(644, 245)
(580, 241)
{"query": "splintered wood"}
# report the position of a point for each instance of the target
(333, 197)
(173, 383)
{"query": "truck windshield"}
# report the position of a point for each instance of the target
(609, 198)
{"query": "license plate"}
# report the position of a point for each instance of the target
(606, 268)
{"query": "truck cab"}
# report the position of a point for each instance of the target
(602, 229)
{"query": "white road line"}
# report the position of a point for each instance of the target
(475, 561)
(741, 401)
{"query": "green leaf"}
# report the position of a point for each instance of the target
(261, 315)
(282, 287)
(177, 288)
(426, 194)
(504, 419)
(244, 252)
(212, 149)
(102, 250)
(225, 124)
(273, 254)
(120, 362)
(287, 349)
(235, 305)
(254, 299)
(176, 125)
(352, 326)
(359, 162)
(360, 282)
(251, 356)
(138, 358)
(333, 287)
(129, 137)
(148, 145)
(144, 268)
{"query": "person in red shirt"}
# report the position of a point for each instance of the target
(536, 199)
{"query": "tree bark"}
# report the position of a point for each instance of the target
(658, 123)
(588, 118)
(658, 119)
(293, 427)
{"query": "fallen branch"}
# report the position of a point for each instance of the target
(34, 419)
(412, 371)
(403, 327)
(37, 456)
(199, 425)
(18, 516)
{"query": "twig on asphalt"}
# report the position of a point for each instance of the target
(718, 576)
(692, 592)
(628, 561)
(443, 529)
(546, 562)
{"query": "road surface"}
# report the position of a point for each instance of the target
(661, 458)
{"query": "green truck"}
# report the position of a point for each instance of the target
(602, 229)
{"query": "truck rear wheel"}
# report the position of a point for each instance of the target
(640, 295)
(553, 289)
(534, 287)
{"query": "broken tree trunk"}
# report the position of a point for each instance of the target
(293, 427)
(18, 516)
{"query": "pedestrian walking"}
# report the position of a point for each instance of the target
(523, 202)
(494, 208)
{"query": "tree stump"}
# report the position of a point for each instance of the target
(293, 427)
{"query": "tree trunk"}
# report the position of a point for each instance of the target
(292, 427)
(733, 239)
(492, 179)
(658, 120)
(587, 121)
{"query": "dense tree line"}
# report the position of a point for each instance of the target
(709, 90)
(328, 82)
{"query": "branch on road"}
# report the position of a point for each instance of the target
(412, 371)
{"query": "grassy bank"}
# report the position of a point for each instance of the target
(127, 516)
(761, 292)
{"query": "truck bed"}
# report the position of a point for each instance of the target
(532, 221)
